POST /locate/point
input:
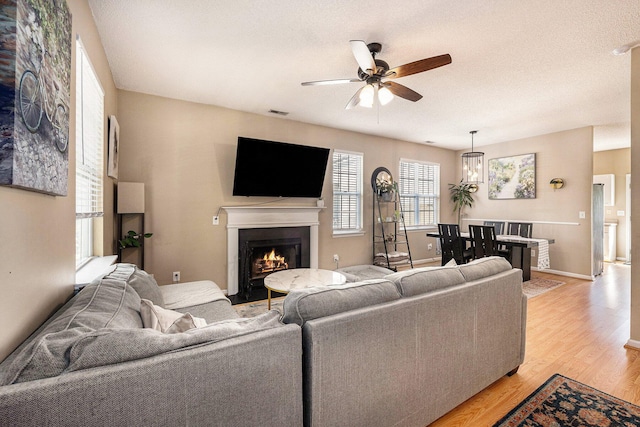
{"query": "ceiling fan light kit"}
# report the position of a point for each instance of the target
(472, 164)
(372, 71)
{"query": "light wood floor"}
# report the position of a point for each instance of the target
(577, 330)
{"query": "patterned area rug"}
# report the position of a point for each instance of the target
(537, 286)
(252, 309)
(562, 401)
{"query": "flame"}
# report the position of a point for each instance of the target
(272, 256)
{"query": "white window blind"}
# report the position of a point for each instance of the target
(89, 149)
(419, 187)
(347, 192)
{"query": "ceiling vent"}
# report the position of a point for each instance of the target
(279, 113)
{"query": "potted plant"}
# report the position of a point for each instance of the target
(133, 239)
(386, 188)
(462, 196)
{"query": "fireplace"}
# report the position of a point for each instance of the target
(251, 218)
(262, 251)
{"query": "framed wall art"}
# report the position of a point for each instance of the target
(35, 95)
(114, 147)
(513, 177)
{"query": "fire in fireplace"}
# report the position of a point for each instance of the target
(269, 263)
(263, 251)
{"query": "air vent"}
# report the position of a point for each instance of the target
(429, 142)
(280, 113)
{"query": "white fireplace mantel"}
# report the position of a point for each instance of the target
(241, 217)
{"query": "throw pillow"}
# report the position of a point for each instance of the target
(167, 321)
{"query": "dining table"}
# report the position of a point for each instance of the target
(520, 249)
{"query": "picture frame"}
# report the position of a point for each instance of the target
(114, 147)
(512, 177)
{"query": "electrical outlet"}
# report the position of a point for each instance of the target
(336, 257)
(216, 220)
(176, 276)
(430, 246)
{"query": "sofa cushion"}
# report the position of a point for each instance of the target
(357, 273)
(111, 346)
(180, 295)
(426, 279)
(167, 321)
(108, 303)
(312, 303)
(141, 281)
(484, 267)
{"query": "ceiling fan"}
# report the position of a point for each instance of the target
(373, 71)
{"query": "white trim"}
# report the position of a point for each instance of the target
(522, 220)
(634, 344)
(564, 273)
(241, 217)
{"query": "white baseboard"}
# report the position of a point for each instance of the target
(425, 261)
(634, 344)
(565, 273)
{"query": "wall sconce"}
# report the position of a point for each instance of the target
(556, 183)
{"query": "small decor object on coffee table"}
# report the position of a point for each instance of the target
(285, 281)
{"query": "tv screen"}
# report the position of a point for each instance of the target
(278, 169)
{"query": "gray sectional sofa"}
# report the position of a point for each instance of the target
(401, 350)
(406, 349)
(93, 363)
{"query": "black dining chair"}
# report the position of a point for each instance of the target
(522, 229)
(498, 225)
(483, 241)
(453, 246)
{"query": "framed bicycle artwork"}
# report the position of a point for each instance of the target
(35, 93)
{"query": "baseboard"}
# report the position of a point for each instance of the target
(632, 344)
(425, 261)
(565, 273)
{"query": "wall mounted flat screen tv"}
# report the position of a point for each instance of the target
(278, 169)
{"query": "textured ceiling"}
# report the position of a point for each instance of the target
(520, 68)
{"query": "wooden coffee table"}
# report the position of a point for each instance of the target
(299, 278)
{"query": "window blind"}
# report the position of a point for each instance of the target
(89, 139)
(347, 191)
(419, 187)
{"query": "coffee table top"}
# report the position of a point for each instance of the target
(299, 278)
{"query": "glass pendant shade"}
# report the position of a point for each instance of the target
(367, 96)
(472, 161)
(384, 95)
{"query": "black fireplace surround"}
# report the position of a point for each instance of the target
(294, 243)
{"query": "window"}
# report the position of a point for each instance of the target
(419, 187)
(89, 148)
(347, 192)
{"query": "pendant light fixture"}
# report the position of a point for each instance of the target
(472, 164)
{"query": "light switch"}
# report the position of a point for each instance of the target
(582, 214)
(620, 213)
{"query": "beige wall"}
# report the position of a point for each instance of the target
(567, 155)
(635, 194)
(185, 154)
(37, 254)
(617, 162)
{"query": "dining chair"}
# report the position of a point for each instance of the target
(483, 241)
(453, 246)
(498, 225)
(522, 229)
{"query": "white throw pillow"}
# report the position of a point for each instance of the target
(167, 321)
(451, 263)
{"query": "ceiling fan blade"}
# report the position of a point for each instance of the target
(419, 66)
(363, 56)
(330, 82)
(403, 91)
(355, 99)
